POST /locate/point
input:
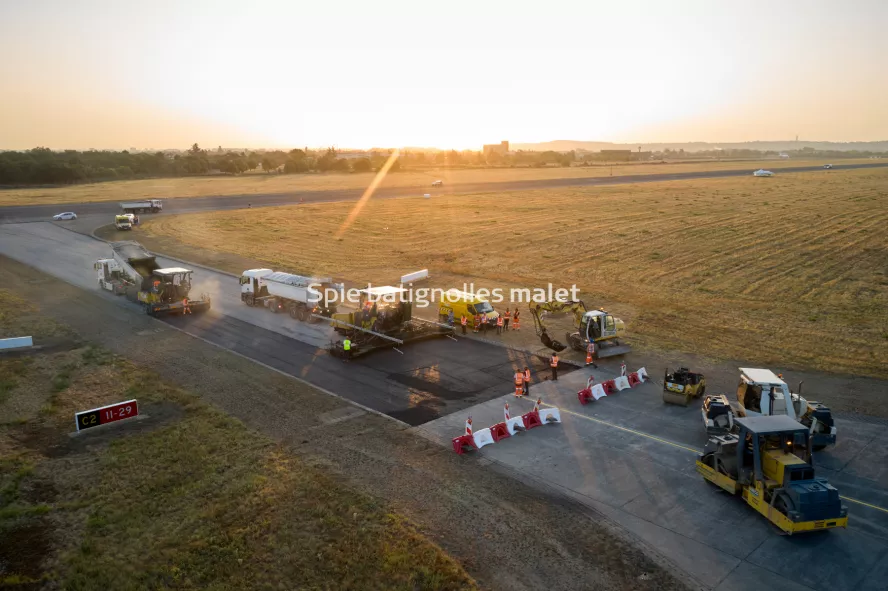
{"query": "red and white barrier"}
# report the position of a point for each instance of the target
(549, 415)
(622, 383)
(598, 392)
(477, 439)
(634, 380)
(482, 437)
(642, 374)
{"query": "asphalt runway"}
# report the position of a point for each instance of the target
(632, 458)
(428, 380)
(25, 213)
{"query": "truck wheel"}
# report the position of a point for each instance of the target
(294, 312)
(303, 314)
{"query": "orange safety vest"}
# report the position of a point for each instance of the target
(477, 319)
(499, 320)
(464, 320)
(484, 319)
(515, 316)
(554, 361)
(519, 378)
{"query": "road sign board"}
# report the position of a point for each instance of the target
(106, 414)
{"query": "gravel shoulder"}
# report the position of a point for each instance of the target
(507, 533)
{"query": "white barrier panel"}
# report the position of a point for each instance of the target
(417, 276)
(549, 415)
(598, 391)
(622, 383)
(642, 374)
(482, 438)
(16, 343)
(514, 425)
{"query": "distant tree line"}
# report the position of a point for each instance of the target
(42, 166)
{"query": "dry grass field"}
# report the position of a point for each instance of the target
(790, 269)
(252, 184)
(188, 499)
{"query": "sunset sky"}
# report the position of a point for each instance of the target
(164, 74)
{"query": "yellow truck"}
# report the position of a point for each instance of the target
(460, 302)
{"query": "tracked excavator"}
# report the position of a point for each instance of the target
(597, 326)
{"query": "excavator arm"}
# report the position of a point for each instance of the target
(538, 310)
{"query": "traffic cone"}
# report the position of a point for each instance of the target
(469, 426)
(622, 369)
(536, 406)
(506, 412)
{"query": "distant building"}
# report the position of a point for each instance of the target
(501, 148)
(615, 155)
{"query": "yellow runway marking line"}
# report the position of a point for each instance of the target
(876, 507)
(673, 444)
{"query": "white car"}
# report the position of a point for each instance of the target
(68, 215)
(827, 166)
(763, 172)
(438, 183)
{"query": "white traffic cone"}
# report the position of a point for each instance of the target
(536, 406)
(623, 369)
(469, 426)
(506, 412)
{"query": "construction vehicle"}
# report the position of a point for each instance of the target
(160, 290)
(718, 417)
(596, 326)
(682, 385)
(384, 319)
(152, 205)
(303, 298)
(123, 222)
(769, 462)
(460, 302)
(762, 392)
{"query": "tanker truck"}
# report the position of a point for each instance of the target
(135, 271)
(301, 297)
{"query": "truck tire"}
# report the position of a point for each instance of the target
(303, 314)
(293, 310)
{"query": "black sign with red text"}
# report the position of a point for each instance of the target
(106, 414)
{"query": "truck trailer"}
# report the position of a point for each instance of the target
(134, 271)
(149, 205)
(301, 297)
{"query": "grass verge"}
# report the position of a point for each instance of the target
(187, 498)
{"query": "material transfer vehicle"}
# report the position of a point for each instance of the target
(769, 463)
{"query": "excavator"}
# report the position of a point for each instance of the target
(597, 326)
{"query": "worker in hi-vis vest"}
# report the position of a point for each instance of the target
(346, 348)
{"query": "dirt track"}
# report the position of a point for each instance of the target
(509, 535)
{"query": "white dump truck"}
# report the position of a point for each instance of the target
(149, 205)
(299, 296)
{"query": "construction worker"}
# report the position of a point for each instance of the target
(553, 363)
(515, 325)
(499, 324)
(477, 323)
(463, 321)
(186, 309)
(590, 353)
(346, 348)
(484, 324)
(519, 384)
(450, 317)
(506, 320)
(526, 380)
